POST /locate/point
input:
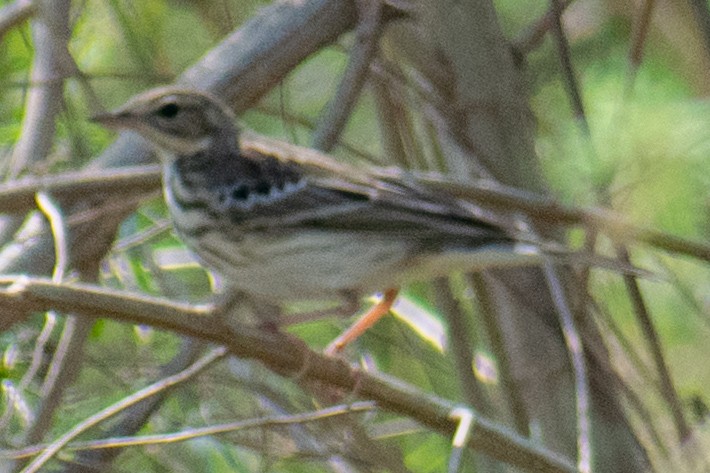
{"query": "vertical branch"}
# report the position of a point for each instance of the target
(67, 357)
(639, 34)
(367, 38)
(393, 122)
(462, 343)
(567, 68)
(644, 318)
(50, 35)
(532, 37)
(509, 387)
(461, 346)
(397, 116)
(576, 353)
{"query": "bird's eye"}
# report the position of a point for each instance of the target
(168, 110)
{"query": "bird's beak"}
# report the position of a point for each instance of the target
(113, 120)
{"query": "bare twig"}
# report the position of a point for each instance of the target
(532, 37)
(565, 55)
(280, 353)
(63, 370)
(642, 21)
(654, 344)
(63, 367)
(367, 38)
(50, 31)
(261, 422)
(576, 354)
(15, 13)
(702, 17)
(120, 406)
(50, 34)
(399, 133)
(549, 211)
(461, 347)
(18, 196)
(639, 35)
(309, 124)
(509, 387)
(54, 214)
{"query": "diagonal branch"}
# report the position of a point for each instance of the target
(282, 354)
(15, 13)
(341, 105)
(114, 409)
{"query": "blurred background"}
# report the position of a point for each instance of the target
(607, 109)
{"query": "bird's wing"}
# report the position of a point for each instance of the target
(337, 197)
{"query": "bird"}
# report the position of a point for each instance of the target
(284, 229)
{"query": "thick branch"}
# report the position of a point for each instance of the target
(281, 353)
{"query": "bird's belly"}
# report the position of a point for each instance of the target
(308, 266)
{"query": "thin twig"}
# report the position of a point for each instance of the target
(576, 353)
(641, 24)
(120, 406)
(532, 37)
(307, 123)
(69, 350)
(19, 195)
(282, 354)
(639, 35)
(50, 32)
(54, 214)
(654, 344)
(702, 17)
(510, 388)
(189, 434)
(461, 346)
(392, 121)
(367, 37)
(565, 55)
(620, 344)
(62, 371)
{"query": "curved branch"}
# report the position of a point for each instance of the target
(279, 352)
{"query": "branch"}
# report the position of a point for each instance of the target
(197, 432)
(279, 352)
(14, 14)
(19, 196)
(123, 404)
(548, 210)
(50, 35)
(367, 39)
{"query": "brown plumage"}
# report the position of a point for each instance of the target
(282, 229)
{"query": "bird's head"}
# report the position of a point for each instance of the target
(178, 121)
